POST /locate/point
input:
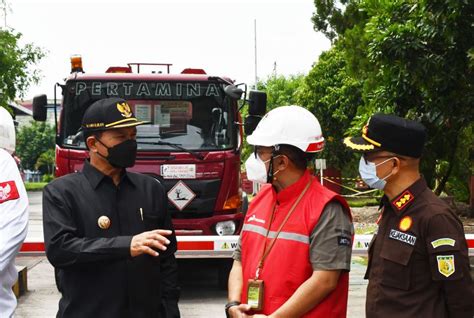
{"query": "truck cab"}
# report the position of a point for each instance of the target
(192, 145)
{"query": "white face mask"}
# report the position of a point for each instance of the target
(256, 169)
(368, 173)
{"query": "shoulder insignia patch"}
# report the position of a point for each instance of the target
(344, 241)
(403, 200)
(405, 223)
(8, 191)
(445, 241)
(446, 265)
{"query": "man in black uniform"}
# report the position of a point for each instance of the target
(107, 231)
(418, 260)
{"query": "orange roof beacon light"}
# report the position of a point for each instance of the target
(76, 64)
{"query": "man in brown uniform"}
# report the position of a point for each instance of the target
(418, 260)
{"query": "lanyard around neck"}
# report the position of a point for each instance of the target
(266, 250)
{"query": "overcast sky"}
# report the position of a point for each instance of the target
(217, 36)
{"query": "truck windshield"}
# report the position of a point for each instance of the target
(183, 115)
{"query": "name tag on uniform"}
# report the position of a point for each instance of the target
(402, 237)
(255, 294)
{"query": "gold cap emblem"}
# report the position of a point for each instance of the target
(124, 109)
(103, 222)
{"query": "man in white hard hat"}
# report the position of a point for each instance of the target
(13, 214)
(294, 251)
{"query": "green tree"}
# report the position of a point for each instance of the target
(334, 97)
(16, 61)
(281, 90)
(333, 18)
(45, 162)
(415, 59)
(32, 141)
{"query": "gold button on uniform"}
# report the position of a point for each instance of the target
(405, 223)
(103, 222)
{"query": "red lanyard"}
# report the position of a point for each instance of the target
(266, 250)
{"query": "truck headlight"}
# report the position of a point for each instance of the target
(225, 228)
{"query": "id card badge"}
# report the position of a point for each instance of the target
(255, 294)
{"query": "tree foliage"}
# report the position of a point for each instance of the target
(415, 59)
(45, 162)
(32, 142)
(335, 17)
(281, 90)
(16, 61)
(333, 96)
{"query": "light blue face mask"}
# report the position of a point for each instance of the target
(368, 173)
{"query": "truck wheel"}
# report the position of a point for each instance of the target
(223, 271)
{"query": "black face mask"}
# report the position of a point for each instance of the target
(122, 155)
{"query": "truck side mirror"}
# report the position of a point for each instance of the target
(257, 108)
(39, 107)
(233, 91)
(251, 123)
(257, 103)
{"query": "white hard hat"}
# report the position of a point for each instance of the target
(290, 125)
(7, 131)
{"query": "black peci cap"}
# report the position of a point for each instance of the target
(109, 113)
(390, 133)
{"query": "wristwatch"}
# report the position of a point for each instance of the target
(228, 305)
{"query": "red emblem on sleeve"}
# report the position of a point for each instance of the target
(8, 191)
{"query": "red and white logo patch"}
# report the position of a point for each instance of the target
(8, 191)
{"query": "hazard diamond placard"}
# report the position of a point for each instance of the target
(181, 195)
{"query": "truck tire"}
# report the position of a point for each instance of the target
(245, 203)
(223, 271)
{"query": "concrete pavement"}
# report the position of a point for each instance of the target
(200, 295)
(201, 298)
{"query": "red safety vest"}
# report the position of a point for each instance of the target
(287, 266)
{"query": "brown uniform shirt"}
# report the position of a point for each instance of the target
(418, 261)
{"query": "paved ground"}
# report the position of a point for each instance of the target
(200, 295)
(35, 225)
